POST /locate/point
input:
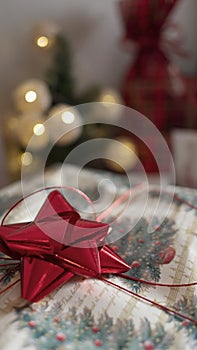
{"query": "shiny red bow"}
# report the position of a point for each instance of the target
(57, 245)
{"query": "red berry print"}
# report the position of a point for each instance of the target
(115, 248)
(98, 342)
(60, 336)
(167, 255)
(32, 324)
(135, 264)
(148, 345)
(95, 329)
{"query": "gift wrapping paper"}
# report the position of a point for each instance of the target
(88, 313)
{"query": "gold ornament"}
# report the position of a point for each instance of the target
(64, 124)
(32, 96)
(121, 155)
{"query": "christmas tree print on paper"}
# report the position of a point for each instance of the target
(189, 199)
(48, 331)
(183, 197)
(8, 269)
(187, 307)
(146, 252)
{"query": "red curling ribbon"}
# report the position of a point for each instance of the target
(120, 200)
(46, 263)
(152, 302)
(10, 286)
(156, 284)
(8, 265)
(46, 189)
(8, 272)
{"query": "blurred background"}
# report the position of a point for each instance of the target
(54, 55)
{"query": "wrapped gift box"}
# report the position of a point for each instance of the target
(184, 148)
(88, 313)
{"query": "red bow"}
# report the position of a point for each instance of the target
(77, 248)
(144, 19)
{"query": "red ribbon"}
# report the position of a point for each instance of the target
(152, 302)
(46, 263)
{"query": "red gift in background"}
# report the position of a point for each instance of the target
(153, 85)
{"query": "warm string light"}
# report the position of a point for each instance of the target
(109, 96)
(123, 150)
(45, 34)
(64, 124)
(109, 106)
(108, 99)
(30, 96)
(39, 129)
(42, 41)
(68, 117)
(26, 159)
(31, 131)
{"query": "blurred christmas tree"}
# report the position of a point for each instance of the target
(46, 107)
(62, 86)
(59, 78)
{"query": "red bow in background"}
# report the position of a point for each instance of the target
(77, 248)
(144, 19)
(152, 84)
